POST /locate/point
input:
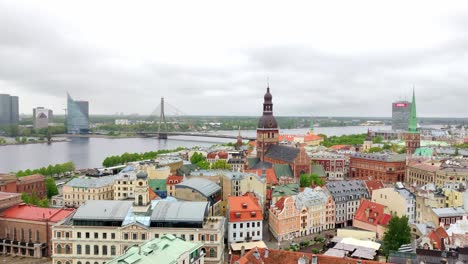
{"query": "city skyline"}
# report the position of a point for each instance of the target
(350, 63)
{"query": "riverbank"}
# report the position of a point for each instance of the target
(97, 136)
(34, 142)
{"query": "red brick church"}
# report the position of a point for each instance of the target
(270, 153)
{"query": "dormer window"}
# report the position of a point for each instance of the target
(253, 214)
(244, 205)
(238, 215)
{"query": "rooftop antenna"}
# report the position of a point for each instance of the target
(268, 81)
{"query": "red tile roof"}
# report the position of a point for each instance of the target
(34, 213)
(436, 235)
(339, 147)
(425, 166)
(220, 154)
(372, 213)
(174, 179)
(280, 203)
(374, 185)
(258, 256)
(244, 208)
(270, 175)
(311, 137)
(152, 194)
(34, 177)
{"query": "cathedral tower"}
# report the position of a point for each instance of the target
(267, 129)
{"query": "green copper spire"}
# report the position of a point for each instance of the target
(413, 122)
(311, 125)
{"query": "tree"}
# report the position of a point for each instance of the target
(51, 187)
(197, 157)
(203, 165)
(377, 140)
(306, 180)
(374, 149)
(398, 233)
(221, 165)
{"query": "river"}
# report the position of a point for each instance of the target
(90, 152)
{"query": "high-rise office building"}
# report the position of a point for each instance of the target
(9, 110)
(77, 116)
(42, 117)
(400, 115)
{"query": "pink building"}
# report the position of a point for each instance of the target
(284, 219)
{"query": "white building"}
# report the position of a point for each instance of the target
(245, 219)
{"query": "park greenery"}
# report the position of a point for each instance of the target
(24, 131)
(398, 233)
(200, 160)
(49, 170)
(34, 200)
(129, 157)
(343, 140)
(51, 187)
(307, 180)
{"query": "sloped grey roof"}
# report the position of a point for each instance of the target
(91, 182)
(179, 211)
(103, 210)
(203, 186)
(310, 197)
(262, 165)
(389, 157)
(347, 190)
(283, 153)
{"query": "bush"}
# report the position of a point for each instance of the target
(315, 250)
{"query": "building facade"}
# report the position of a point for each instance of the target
(42, 117)
(421, 173)
(398, 200)
(79, 190)
(332, 163)
(196, 189)
(99, 231)
(347, 196)
(26, 230)
(386, 167)
(245, 219)
(283, 219)
(77, 116)
(9, 110)
(31, 184)
(412, 136)
(372, 217)
(8, 200)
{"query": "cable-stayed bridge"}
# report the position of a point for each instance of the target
(165, 112)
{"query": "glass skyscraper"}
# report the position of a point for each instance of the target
(400, 115)
(77, 116)
(9, 110)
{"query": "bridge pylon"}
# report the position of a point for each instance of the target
(162, 120)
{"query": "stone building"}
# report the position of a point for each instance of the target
(79, 190)
(8, 200)
(26, 230)
(398, 200)
(245, 219)
(283, 219)
(386, 167)
(99, 231)
(332, 163)
(347, 196)
(32, 184)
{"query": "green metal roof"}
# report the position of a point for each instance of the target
(424, 152)
(252, 162)
(282, 170)
(164, 250)
(285, 190)
(157, 184)
(317, 169)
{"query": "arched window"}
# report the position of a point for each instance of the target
(59, 262)
(67, 262)
(22, 234)
(212, 253)
(96, 250)
(67, 249)
(87, 250)
(78, 249)
(59, 249)
(140, 200)
(79, 262)
(37, 236)
(112, 250)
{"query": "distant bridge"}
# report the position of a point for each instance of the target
(162, 132)
(164, 135)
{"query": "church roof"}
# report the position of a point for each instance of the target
(283, 153)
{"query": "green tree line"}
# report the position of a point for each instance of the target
(49, 170)
(343, 140)
(129, 157)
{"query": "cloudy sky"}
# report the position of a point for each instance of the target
(337, 58)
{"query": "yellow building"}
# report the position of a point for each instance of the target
(421, 173)
(398, 200)
(79, 190)
(453, 198)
